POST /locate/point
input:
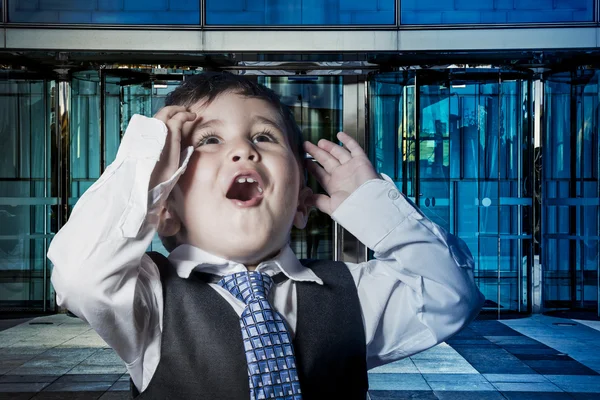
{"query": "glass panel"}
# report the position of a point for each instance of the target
(130, 12)
(27, 221)
(85, 133)
(126, 92)
(571, 191)
(300, 12)
(436, 12)
(467, 161)
(317, 106)
(392, 129)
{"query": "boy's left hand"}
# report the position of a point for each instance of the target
(343, 170)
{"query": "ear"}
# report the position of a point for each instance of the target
(169, 223)
(301, 216)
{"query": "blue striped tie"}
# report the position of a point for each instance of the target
(269, 352)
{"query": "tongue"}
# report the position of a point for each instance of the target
(242, 191)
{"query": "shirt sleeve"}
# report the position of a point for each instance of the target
(101, 272)
(419, 290)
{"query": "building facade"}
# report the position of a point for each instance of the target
(484, 112)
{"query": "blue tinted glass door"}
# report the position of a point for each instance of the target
(571, 190)
(457, 143)
(29, 198)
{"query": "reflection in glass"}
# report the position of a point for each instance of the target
(495, 12)
(129, 12)
(456, 143)
(27, 220)
(300, 12)
(571, 190)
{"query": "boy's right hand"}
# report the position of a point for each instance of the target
(175, 118)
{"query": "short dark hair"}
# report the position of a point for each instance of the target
(209, 85)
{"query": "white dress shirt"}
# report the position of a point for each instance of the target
(416, 293)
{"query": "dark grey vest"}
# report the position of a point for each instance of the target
(202, 352)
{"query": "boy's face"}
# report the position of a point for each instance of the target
(239, 195)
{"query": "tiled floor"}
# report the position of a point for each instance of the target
(540, 357)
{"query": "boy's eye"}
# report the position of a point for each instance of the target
(264, 137)
(211, 139)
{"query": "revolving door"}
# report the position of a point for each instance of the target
(458, 143)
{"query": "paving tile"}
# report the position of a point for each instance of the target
(28, 378)
(584, 396)
(454, 378)
(559, 367)
(78, 387)
(402, 394)
(515, 378)
(397, 382)
(97, 369)
(464, 386)
(469, 342)
(30, 387)
(443, 367)
(16, 396)
(502, 368)
(120, 386)
(110, 378)
(576, 383)
(511, 340)
(116, 396)
(537, 396)
(526, 387)
(405, 366)
(452, 395)
(67, 396)
(39, 371)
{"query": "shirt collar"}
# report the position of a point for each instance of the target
(187, 258)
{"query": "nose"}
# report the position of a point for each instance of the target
(242, 150)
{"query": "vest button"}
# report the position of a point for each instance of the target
(393, 194)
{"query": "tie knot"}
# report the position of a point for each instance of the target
(248, 285)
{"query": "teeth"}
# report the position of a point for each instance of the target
(260, 190)
(250, 180)
(241, 180)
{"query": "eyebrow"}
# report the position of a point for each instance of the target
(208, 124)
(267, 121)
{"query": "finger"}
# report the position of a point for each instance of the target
(319, 173)
(351, 144)
(336, 150)
(175, 123)
(321, 201)
(328, 161)
(166, 113)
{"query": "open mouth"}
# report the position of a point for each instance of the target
(246, 189)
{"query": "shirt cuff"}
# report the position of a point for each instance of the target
(144, 139)
(374, 210)
(158, 195)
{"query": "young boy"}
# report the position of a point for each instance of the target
(219, 174)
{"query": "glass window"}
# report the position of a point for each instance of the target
(27, 194)
(300, 12)
(571, 189)
(129, 12)
(436, 12)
